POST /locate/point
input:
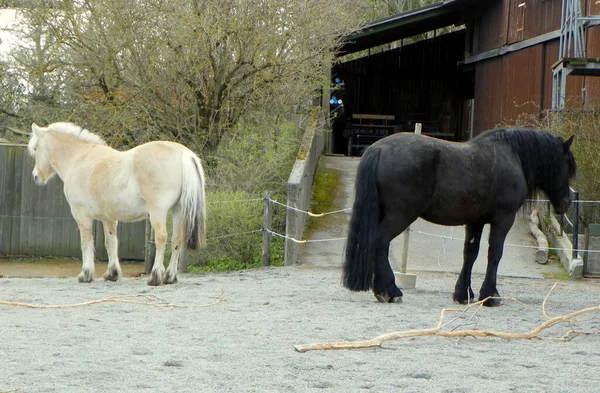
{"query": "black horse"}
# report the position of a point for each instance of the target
(483, 181)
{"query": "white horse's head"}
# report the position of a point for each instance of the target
(43, 170)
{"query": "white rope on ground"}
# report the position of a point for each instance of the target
(310, 213)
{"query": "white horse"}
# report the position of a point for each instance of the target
(108, 185)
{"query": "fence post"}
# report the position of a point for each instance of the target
(576, 225)
(266, 240)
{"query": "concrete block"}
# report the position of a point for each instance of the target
(406, 280)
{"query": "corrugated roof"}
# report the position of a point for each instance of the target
(407, 24)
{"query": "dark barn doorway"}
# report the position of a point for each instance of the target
(388, 92)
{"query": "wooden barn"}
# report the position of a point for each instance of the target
(477, 64)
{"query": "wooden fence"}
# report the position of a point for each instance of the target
(37, 220)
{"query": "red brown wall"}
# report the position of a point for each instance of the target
(507, 87)
(519, 83)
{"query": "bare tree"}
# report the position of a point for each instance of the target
(181, 69)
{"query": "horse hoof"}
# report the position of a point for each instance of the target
(111, 276)
(460, 300)
(492, 302)
(170, 279)
(463, 297)
(85, 277)
(154, 280)
(385, 298)
(381, 298)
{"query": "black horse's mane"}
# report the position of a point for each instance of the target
(537, 150)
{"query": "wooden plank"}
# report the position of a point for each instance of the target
(372, 126)
(371, 116)
(7, 183)
(132, 240)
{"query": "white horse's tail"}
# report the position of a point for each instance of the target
(193, 201)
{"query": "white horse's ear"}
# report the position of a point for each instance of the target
(35, 129)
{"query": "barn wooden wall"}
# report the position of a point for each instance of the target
(37, 220)
(518, 84)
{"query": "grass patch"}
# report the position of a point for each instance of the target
(225, 264)
(325, 191)
(231, 264)
(327, 184)
(556, 276)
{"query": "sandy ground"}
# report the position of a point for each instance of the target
(246, 342)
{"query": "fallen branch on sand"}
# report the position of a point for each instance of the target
(151, 300)
(439, 330)
(220, 299)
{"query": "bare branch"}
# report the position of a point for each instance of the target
(439, 331)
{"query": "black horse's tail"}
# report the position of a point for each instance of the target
(362, 238)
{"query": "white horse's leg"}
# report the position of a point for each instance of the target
(176, 247)
(159, 224)
(87, 249)
(113, 272)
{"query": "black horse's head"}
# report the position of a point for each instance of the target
(547, 162)
(562, 168)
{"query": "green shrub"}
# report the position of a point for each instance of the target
(255, 159)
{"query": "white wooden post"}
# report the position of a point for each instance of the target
(404, 279)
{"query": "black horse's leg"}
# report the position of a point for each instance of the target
(384, 280)
(462, 291)
(384, 285)
(498, 231)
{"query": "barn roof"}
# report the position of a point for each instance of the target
(407, 24)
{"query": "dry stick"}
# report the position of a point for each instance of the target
(112, 299)
(220, 299)
(438, 331)
(546, 300)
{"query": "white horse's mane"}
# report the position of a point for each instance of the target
(77, 131)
